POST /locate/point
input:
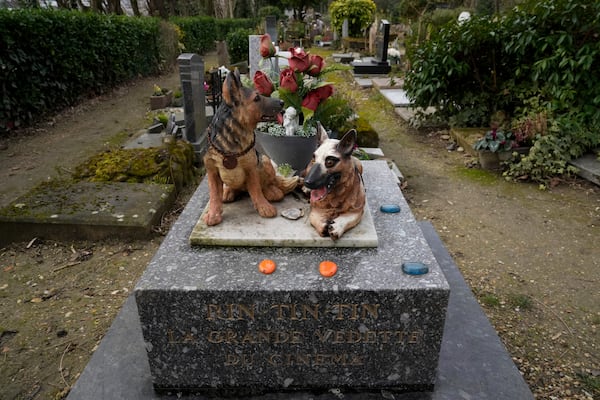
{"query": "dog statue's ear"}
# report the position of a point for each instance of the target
(322, 134)
(347, 143)
(231, 87)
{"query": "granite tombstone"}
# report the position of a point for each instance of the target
(378, 64)
(213, 324)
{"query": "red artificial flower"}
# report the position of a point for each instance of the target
(316, 96)
(299, 59)
(315, 65)
(311, 101)
(263, 84)
(266, 46)
(287, 80)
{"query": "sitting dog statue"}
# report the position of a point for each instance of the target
(232, 163)
(337, 193)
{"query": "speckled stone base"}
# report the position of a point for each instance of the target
(212, 323)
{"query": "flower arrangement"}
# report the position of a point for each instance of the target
(393, 55)
(158, 91)
(299, 86)
(496, 140)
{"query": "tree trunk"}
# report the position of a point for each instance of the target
(135, 7)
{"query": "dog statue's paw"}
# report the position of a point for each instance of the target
(212, 219)
(267, 210)
(334, 232)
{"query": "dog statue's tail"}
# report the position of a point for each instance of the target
(288, 184)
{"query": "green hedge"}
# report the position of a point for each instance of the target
(49, 59)
(201, 33)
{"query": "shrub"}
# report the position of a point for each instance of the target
(237, 45)
(270, 10)
(360, 14)
(540, 52)
(199, 33)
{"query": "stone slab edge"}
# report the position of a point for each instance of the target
(78, 225)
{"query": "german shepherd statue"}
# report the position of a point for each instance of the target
(232, 163)
(337, 193)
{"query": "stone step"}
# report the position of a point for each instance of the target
(589, 167)
(86, 210)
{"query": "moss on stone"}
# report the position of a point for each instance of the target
(170, 163)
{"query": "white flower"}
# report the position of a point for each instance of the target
(393, 53)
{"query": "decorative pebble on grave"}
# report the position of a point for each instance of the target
(414, 268)
(390, 208)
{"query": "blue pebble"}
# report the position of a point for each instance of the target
(414, 268)
(390, 208)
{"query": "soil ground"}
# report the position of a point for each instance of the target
(531, 257)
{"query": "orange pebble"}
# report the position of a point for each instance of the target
(327, 268)
(267, 266)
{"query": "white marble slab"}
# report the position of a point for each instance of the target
(242, 226)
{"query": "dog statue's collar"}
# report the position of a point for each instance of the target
(230, 159)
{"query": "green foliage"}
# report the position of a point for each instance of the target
(168, 45)
(334, 113)
(546, 51)
(199, 33)
(360, 14)
(51, 58)
(237, 45)
(225, 26)
(495, 141)
(490, 300)
(270, 10)
(520, 301)
(366, 135)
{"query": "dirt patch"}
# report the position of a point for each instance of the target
(530, 256)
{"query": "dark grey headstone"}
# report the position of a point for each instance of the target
(191, 71)
(212, 322)
(271, 27)
(382, 41)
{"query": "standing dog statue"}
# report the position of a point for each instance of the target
(337, 196)
(232, 163)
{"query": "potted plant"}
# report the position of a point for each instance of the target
(495, 146)
(303, 91)
(161, 98)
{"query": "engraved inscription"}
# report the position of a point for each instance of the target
(221, 331)
(291, 312)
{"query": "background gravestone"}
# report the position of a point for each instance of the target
(271, 27)
(191, 73)
(254, 57)
(382, 41)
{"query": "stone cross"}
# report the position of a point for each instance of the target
(191, 73)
